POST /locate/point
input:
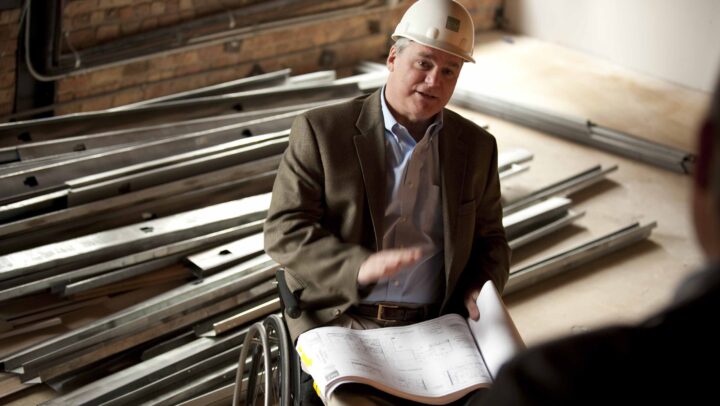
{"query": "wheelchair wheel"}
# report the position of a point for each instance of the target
(268, 378)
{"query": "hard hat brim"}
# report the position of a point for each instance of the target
(435, 44)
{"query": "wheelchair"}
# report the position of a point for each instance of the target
(274, 374)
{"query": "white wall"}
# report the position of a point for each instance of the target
(675, 40)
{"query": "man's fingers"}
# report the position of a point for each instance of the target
(386, 263)
(471, 305)
(409, 256)
(473, 311)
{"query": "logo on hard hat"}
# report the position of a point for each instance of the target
(452, 24)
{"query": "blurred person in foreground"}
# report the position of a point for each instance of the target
(670, 358)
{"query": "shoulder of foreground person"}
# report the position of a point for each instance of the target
(667, 358)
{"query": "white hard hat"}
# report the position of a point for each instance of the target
(441, 24)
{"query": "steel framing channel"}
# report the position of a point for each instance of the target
(578, 130)
(509, 162)
(261, 294)
(175, 378)
(35, 180)
(168, 345)
(37, 151)
(195, 387)
(42, 283)
(57, 365)
(116, 275)
(94, 209)
(220, 396)
(47, 368)
(537, 215)
(178, 378)
(33, 205)
(513, 170)
(9, 155)
(114, 183)
(507, 159)
(262, 309)
(160, 208)
(13, 314)
(84, 123)
(321, 77)
(57, 159)
(565, 186)
(143, 315)
(127, 239)
(170, 384)
(547, 229)
(148, 371)
(54, 321)
(524, 277)
(188, 295)
(246, 145)
(10, 384)
(207, 261)
(39, 314)
(141, 176)
(367, 81)
(369, 66)
(265, 80)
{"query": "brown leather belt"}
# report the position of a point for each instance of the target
(396, 312)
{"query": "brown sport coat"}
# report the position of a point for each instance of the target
(328, 203)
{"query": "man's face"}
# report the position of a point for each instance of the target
(420, 82)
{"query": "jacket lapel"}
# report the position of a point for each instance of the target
(370, 148)
(452, 168)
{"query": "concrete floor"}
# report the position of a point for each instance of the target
(628, 285)
(631, 284)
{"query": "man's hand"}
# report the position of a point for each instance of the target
(386, 263)
(471, 304)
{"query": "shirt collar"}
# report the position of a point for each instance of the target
(391, 122)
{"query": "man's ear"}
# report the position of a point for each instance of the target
(392, 56)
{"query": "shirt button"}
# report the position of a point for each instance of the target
(396, 283)
(337, 312)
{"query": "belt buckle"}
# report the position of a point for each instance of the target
(380, 310)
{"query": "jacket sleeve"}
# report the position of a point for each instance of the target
(322, 268)
(490, 251)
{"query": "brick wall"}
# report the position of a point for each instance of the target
(92, 22)
(9, 26)
(337, 43)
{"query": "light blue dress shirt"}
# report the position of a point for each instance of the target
(413, 214)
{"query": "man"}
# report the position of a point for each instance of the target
(386, 209)
(671, 358)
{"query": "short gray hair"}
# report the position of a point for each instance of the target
(402, 43)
